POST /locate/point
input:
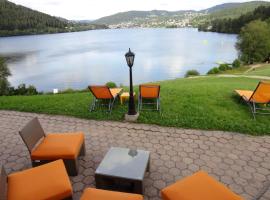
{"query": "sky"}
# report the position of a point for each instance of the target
(94, 9)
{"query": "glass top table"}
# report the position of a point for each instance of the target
(122, 164)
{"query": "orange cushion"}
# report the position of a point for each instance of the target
(59, 146)
(246, 94)
(96, 194)
(49, 181)
(149, 91)
(199, 186)
(115, 91)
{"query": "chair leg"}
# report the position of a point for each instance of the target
(111, 104)
(72, 166)
(252, 109)
(159, 106)
(82, 151)
(93, 105)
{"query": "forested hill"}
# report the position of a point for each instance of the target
(234, 25)
(19, 20)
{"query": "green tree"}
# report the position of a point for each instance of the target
(254, 42)
(236, 63)
(4, 73)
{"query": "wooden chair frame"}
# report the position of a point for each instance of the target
(32, 134)
(4, 186)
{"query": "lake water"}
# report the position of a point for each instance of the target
(75, 60)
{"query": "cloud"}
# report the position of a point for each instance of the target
(93, 9)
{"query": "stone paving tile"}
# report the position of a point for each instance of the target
(239, 161)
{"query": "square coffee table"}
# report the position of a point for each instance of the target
(123, 170)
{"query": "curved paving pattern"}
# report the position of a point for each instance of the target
(241, 162)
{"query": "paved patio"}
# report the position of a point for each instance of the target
(241, 162)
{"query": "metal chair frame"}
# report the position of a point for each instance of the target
(254, 106)
(157, 103)
(98, 103)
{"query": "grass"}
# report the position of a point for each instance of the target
(201, 103)
(236, 71)
(261, 71)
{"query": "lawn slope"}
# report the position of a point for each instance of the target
(201, 103)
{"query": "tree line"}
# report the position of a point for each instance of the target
(19, 20)
(234, 25)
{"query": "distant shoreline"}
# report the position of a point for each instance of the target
(32, 34)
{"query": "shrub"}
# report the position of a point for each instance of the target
(214, 70)
(4, 73)
(236, 63)
(31, 90)
(111, 85)
(224, 67)
(192, 72)
(22, 90)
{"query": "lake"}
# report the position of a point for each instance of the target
(75, 60)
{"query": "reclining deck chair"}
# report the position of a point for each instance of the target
(49, 181)
(149, 92)
(102, 94)
(44, 148)
(260, 96)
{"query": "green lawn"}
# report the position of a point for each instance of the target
(200, 103)
(261, 71)
(236, 71)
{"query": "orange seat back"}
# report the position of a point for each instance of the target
(262, 93)
(149, 91)
(101, 92)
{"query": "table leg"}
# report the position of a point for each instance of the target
(138, 187)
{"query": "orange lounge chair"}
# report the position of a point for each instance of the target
(199, 186)
(261, 95)
(49, 181)
(149, 92)
(46, 148)
(103, 94)
(97, 194)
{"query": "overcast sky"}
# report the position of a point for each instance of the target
(93, 9)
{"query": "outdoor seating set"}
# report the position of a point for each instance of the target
(105, 96)
(119, 176)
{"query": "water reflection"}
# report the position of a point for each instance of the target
(75, 60)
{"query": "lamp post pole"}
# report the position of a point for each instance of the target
(131, 104)
(130, 61)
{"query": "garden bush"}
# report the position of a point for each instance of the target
(224, 67)
(22, 90)
(111, 85)
(236, 63)
(214, 70)
(4, 73)
(192, 72)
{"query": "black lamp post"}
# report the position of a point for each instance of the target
(131, 105)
